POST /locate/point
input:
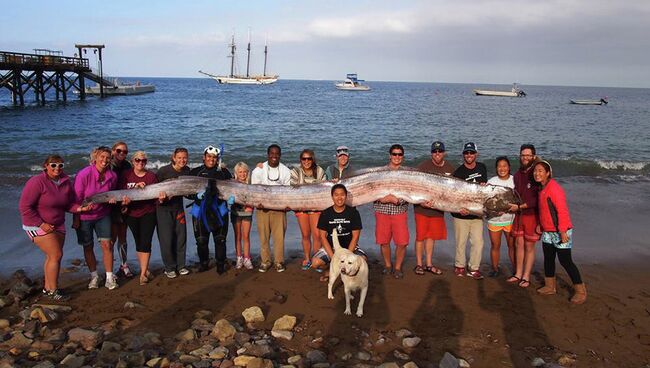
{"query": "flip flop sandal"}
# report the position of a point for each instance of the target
(524, 283)
(398, 274)
(434, 270)
(418, 270)
(306, 265)
(513, 279)
(387, 271)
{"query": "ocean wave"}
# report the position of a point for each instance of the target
(623, 165)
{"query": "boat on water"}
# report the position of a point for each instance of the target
(351, 83)
(602, 101)
(121, 89)
(514, 92)
(233, 78)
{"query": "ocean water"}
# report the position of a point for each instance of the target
(601, 149)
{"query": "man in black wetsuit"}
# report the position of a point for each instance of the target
(218, 225)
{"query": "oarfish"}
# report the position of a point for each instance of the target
(445, 193)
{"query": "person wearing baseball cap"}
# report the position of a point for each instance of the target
(466, 225)
(341, 169)
(429, 222)
(212, 168)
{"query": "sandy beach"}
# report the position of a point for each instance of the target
(488, 323)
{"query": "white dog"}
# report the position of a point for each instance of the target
(354, 274)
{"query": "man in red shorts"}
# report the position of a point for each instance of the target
(430, 223)
(391, 221)
(524, 228)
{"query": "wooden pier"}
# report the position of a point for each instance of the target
(21, 73)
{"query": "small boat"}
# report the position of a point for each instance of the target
(514, 92)
(232, 78)
(351, 83)
(119, 88)
(602, 101)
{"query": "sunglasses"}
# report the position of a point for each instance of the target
(437, 151)
(139, 160)
(467, 153)
(397, 153)
(121, 151)
(307, 158)
(54, 165)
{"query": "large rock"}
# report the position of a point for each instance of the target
(18, 341)
(87, 338)
(411, 342)
(223, 330)
(285, 323)
(253, 315)
(44, 315)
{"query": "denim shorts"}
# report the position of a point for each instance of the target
(102, 228)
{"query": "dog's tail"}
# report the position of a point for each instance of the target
(335, 240)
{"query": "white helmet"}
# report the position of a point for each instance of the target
(211, 150)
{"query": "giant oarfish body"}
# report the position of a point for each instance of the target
(445, 193)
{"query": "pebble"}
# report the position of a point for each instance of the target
(294, 359)
(538, 362)
(132, 305)
(253, 314)
(401, 333)
(72, 361)
(87, 338)
(401, 355)
(410, 365)
(285, 322)
(389, 365)
(449, 361)
(411, 342)
(281, 334)
(223, 330)
(187, 335)
(316, 356)
(363, 355)
(44, 364)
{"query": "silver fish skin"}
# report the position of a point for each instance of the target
(445, 193)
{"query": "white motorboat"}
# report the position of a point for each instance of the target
(119, 88)
(351, 83)
(602, 101)
(514, 92)
(249, 79)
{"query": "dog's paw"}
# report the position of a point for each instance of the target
(359, 314)
(330, 296)
(347, 312)
(351, 297)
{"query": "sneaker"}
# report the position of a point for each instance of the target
(240, 262)
(94, 282)
(279, 267)
(56, 295)
(111, 283)
(203, 266)
(170, 274)
(264, 267)
(476, 275)
(459, 271)
(126, 271)
(248, 264)
(183, 271)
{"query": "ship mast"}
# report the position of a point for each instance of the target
(232, 56)
(265, 53)
(248, 59)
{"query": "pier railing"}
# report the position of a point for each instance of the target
(32, 60)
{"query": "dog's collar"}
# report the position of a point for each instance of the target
(353, 274)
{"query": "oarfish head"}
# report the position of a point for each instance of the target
(500, 202)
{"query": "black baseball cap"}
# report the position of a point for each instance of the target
(437, 146)
(470, 147)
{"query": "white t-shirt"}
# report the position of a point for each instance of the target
(507, 218)
(280, 175)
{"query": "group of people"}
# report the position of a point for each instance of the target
(543, 214)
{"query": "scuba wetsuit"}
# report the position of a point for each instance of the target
(210, 215)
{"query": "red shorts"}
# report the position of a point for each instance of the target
(526, 226)
(389, 227)
(430, 228)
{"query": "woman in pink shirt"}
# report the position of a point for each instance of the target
(43, 203)
(557, 232)
(93, 179)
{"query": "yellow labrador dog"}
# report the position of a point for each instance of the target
(353, 270)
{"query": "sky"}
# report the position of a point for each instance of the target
(541, 42)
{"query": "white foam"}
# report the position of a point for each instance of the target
(622, 165)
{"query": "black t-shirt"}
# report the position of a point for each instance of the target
(165, 173)
(344, 223)
(476, 175)
(213, 173)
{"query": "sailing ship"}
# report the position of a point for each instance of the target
(232, 78)
(514, 92)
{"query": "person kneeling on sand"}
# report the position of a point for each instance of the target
(347, 222)
(557, 232)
